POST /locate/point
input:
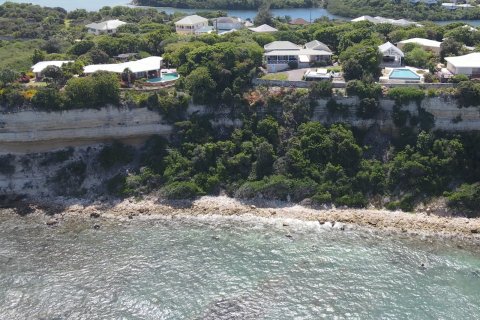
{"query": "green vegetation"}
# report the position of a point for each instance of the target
(399, 9)
(274, 150)
(466, 198)
(276, 76)
(17, 55)
(224, 4)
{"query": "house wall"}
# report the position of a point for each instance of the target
(189, 29)
(228, 26)
(277, 67)
(459, 70)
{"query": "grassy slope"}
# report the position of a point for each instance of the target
(17, 54)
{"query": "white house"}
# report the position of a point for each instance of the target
(378, 19)
(190, 24)
(263, 28)
(42, 65)
(468, 64)
(143, 68)
(392, 56)
(426, 44)
(281, 55)
(223, 24)
(109, 27)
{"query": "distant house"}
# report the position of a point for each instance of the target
(38, 68)
(144, 68)
(190, 24)
(281, 55)
(299, 22)
(105, 27)
(392, 56)
(377, 20)
(204, 30)
(426, 44)
(263, 28)
(468, 64)
(454, 6)
(223, 24)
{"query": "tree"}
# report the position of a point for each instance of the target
(201, 85)
(360, 60)
(98, 56)
(38, 55)
(81, 47)
(450, 47)
(48, 99)
(418, 58)
(7, 76)
(268, 128)
(54, 75)
(265, 158)
(264, 16)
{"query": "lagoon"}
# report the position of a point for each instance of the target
(308, 14)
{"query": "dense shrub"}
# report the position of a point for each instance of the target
(321, 89)
(116, 153)
(466, 199)
(277, 187)
(404, 95)
(181, 190)
(68, 180)
(367, 108)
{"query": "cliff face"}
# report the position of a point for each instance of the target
(447, 115)
(32, 162)
(33, 131)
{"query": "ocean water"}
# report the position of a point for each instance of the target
(221, 268)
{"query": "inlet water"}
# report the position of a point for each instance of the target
(228, 269)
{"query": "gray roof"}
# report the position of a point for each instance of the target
(194, 19)
(281, 45)
(317, 45)
(307, 52)
(106, 25)
(387, 46)
(263, 28)
(227, 20)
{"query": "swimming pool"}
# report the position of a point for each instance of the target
(403, 74)
(165, 77)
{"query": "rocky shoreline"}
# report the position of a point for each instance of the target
(55, 211)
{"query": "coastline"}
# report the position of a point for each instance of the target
(55, 211)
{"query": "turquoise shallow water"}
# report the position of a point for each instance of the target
(229, 269)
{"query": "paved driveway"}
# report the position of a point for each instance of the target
(296, 74)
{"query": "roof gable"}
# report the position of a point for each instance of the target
(281, 45)
(193, 19)
(317, 45)
(389, 48)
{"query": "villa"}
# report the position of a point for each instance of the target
(281, 55)
(38, 68)
(392, 56)
(223, 24)
(190, 24)
(263, 28)
(105, 27)
(468, 65)
(377, 20)
(426, 44)
(144, 68)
